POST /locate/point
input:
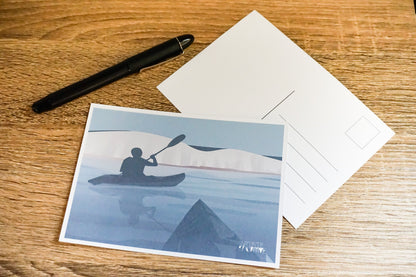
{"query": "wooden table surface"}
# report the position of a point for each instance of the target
(368, 227)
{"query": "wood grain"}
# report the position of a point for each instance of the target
(368, 227)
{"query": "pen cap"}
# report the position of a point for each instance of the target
(155, 55)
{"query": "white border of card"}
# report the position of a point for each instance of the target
(84, 188)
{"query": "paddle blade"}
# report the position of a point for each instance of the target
(176, 140)
(173, 142)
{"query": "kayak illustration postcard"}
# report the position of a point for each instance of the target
(169, 184)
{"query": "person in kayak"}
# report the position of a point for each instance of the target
(133, 167)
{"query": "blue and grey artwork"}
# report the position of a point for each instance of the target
(163, 186)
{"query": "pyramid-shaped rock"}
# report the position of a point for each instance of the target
(202, 232)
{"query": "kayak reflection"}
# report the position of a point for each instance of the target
(130, 200)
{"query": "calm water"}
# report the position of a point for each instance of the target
(146, 217)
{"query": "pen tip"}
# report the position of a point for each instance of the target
(185, 40)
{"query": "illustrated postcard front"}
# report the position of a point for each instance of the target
(170, 184)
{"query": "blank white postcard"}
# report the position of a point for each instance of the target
(255, 71)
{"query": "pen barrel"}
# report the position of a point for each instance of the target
(155, 55)
(150, 57)
(82, 87)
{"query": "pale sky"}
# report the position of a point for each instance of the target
(263, 139)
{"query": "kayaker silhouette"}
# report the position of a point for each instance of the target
(132, 170)
(133, 167)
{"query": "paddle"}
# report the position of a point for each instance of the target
(173, 142)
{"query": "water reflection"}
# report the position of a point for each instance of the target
(131, 200)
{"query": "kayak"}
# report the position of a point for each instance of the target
(145, 181)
